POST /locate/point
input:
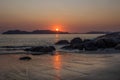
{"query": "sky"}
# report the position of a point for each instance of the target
(67, 15)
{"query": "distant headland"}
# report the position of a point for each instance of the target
(50, 32)
(34, 32)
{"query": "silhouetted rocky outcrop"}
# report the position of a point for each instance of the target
(41, 49)
(62, 42)
(111, 40)
(76, 40)
(34, 32)
(117, 47)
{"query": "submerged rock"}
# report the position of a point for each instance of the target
(41, 49)
(25, 58)
(62, 42)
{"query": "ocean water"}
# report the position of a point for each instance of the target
(98, 65)
(14, 43)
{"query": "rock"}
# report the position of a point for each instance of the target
(25, 58)
(69, 47)
(77, 46)
(76, 41)
(72, 47)
(86, 40)
(62, 42)
(100, 43)
(90, 46)
(52, 47)
(115, 35)
(41, 49)
(117, 47)
(106, 43)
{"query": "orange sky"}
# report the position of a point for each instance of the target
(67, 15)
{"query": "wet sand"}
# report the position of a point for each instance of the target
(62, 66)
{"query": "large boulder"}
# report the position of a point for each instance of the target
(76, 40)
(106, 43)
(72, 47)
(68, 47)
(100, 43)
(41, 49)
(86, 40)
(90, 46)
(77, 46)
(62, 42)
(117, 47)
(115, 35)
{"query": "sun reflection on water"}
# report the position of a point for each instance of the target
(56, 37)
(57, 65)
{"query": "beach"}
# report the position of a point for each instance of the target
(59, 40)
(61, 66)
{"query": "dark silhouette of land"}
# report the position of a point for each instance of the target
(34, 32)
(51, 32)
(97, 32)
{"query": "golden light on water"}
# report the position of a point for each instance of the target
(57, 65)
(57, 62)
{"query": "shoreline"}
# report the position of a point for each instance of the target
(61, 66)
(105, 51)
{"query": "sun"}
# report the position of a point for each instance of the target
(57, 29)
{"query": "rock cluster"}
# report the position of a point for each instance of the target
(41, 49)
(62, 42)
(106, 41)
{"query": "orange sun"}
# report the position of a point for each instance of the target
(57, 29)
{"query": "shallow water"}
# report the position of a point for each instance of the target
(62, 66)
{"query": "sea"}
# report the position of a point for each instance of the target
(15, 43)
(64, 65)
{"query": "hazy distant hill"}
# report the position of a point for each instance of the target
(97, 32)
(34, 32)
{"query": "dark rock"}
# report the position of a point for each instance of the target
(108, 40)
(100, 43)
(90, 46)
(115, 35)
(69, 47)
(76, 41)
(117, 47)
(62, 42)
(41, 49)
(106, 43)
(52, 47)
(72, 47)
(26, 58)
(77, 46)
(86, 40)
